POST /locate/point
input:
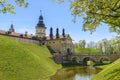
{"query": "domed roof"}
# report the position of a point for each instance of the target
(41, 22)
(41, 17)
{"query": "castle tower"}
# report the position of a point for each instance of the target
(40, 28)
(11, 28)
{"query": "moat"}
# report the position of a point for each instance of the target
(76, 73)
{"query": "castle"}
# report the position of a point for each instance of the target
(58, 43)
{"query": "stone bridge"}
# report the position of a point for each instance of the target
(97, 58)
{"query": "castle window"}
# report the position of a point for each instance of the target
(21, 35)
(53, 42)
(49, 42)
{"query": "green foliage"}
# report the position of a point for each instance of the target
(96, 11)
(86, 50)
(89, 63)
(111, 72)
(104, 46)
(109, 46)
(82, 43)
(6, 6)
(22, 61)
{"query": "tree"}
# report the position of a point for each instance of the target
(91, 44)
(76, 45)
(6, 6)
(82, 43)
(96, 11)
(116, 44)
(100, 47)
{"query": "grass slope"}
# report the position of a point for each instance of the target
(86, 50)
(111, 72)
(22, 61)
(102, 66)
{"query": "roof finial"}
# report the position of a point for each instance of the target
(40, 12)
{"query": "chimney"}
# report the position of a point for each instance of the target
(63, 32)
(57, 33)
(51, 33)
(26, 33)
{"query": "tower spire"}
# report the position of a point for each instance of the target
(40, 27)
(11, 28)
(40, 22)
(40, 12)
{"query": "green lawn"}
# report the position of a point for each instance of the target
(111, 72)
(23, 61)
(86, 50)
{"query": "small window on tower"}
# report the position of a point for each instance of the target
(40, 30)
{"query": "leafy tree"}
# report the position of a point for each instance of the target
(76, 45)
(82, 43)
(96, 11)
(91, 44)
(7, 6)
(111, 46)
(100, 47)
(116, 44)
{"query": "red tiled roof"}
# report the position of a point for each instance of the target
(2, 32)
(14, 34)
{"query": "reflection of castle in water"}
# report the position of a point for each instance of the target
(57, 43)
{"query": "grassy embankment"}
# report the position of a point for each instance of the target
(103, 66)
(86, 50)
(111, 72)
(22, 61)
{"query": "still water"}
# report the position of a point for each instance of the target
(75, 73)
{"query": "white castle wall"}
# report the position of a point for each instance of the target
(26, 40)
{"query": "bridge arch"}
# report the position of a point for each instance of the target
(104, 60)
(75, 59)
(88, 58)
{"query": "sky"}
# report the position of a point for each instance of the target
(55, 15)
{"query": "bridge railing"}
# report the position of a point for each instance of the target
(92, 54)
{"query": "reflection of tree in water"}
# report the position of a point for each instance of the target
(70, 72)
(64, 74)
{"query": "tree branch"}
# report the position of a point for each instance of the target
(114, 16)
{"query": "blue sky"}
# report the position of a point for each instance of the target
(55, 15)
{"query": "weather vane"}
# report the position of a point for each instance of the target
(11, 22)
(40, 12)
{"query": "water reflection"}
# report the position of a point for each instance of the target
(75, 73)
